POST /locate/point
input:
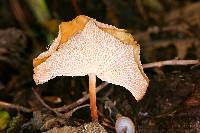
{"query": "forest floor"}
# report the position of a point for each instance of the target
(165, 30)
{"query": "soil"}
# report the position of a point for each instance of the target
(166, 30)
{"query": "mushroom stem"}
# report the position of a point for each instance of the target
(92, 93)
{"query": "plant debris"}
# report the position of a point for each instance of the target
(168, 34)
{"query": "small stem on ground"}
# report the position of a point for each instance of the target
(45, 105)
(92, 93)
(5, 105)
(170, 62)
(79, 101)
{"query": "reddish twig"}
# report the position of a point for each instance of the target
(141, 9)
(76, 7)
(19, 15)
(170, 62)
(5, 105)
(45, 105)
(69, 113)
(79, 101)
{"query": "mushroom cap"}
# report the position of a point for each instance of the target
(85, 46)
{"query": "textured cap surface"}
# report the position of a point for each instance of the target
(99, 49)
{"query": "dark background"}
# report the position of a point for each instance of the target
(165, 30)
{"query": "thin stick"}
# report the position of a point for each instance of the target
(5, 105)
(45, 105)
(92, 93)
(76, 7)
(79, 101)
(170, 62)
(69, 114)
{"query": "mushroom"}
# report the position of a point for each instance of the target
(85, 46)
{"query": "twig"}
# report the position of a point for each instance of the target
(170, 62)
(76, 7)
(169, 114)
(141, 9)
(79, 101)
(5, 105)
(20, 16)
(69, 113)
(45, 105)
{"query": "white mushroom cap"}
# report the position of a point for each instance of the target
(94, 50)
